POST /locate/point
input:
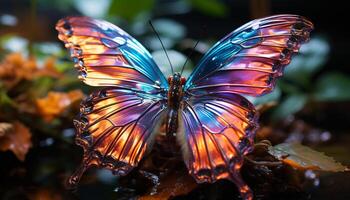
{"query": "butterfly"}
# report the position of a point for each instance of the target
(208, 114)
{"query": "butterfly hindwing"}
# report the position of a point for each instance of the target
(248, 60)
(218, 129)
(117, 126)
(105, 55)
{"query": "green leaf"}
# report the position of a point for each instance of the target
(333, 86)
(309, 60)
(129, 9)
(177, 60)
(210, 7)
(5, 99)
(93, 8)
(303, 157)
(289, 106)
(169, 28)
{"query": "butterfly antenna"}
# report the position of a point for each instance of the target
(188, 57)
(166, 53)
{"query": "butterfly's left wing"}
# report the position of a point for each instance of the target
(219, 124)
(117, 124)
(106, 55)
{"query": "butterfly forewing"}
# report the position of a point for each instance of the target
(248, 60)
(105, 55)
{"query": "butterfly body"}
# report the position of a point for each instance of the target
(175, 95)
(213, 122)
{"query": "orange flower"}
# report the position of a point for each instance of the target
(15, 137)
(15, 68)
(56, 103)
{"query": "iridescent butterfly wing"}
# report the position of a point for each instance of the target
(116, 123)
(219, 124)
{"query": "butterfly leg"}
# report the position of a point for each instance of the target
(243, 188)
(74, 179)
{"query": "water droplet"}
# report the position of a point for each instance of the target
(109, 32)
(119, 40)
(213, 58)
(109, 43)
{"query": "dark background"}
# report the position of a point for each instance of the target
(324, 92)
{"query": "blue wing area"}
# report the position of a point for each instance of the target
(105, 55)
(248, 60)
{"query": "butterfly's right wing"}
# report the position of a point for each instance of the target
(251, 58)
(219, 124)
(217, 131)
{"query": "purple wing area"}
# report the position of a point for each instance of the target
(219, 124)
(116, 127)
(105, 55)
(248, 60)
(218, 129)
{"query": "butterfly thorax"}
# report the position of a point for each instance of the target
(175, 93)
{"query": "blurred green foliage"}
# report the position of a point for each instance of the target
(302, 82)
(211, 7)
(129, 9)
